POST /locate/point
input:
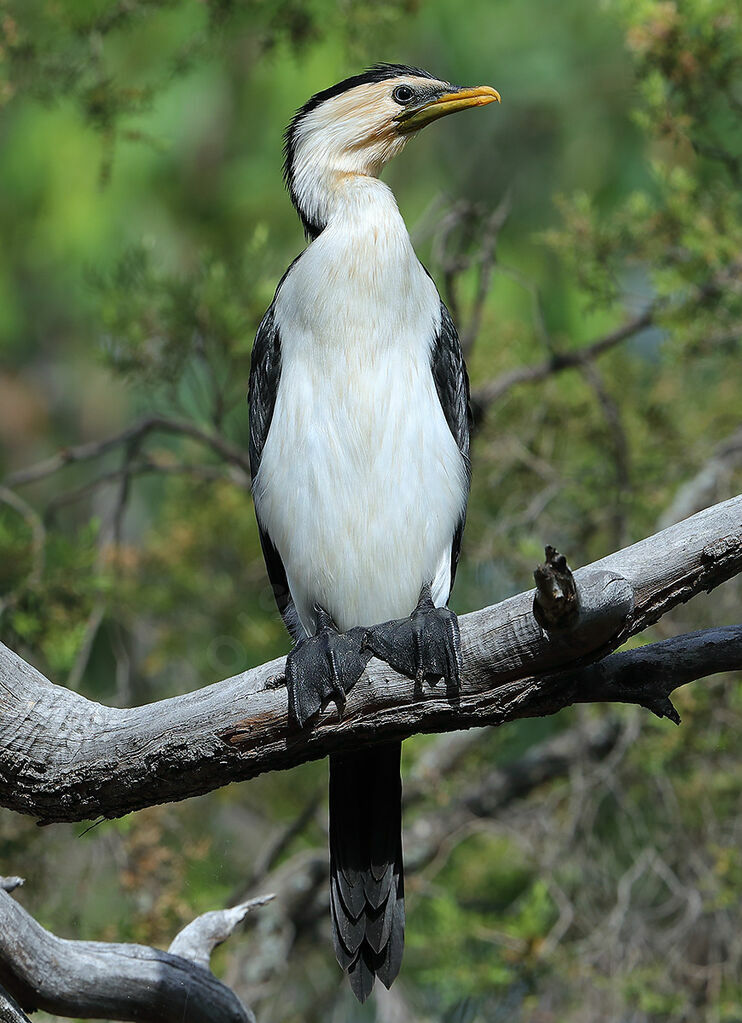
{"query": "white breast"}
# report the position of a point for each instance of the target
(361, 483)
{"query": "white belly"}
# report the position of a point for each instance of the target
(361, 484)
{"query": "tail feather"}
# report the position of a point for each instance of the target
(366, 877)
(394, 946)
(379, 925)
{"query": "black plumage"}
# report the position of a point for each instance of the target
(366, 878)
(265, 373)
(452, 385)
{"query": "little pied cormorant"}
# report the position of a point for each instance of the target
(359, 451)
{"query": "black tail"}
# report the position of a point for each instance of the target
(366, 879)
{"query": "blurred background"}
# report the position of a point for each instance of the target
(578, 868)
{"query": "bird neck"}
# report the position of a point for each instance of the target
(325, 195)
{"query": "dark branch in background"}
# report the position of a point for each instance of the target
(487, 394)
(63, 757)
(133, 464)
(273, 851)
(103, 980)
(135, 432)
(453, 233)
(109, 533)
(502, 785)
(142, 467)
(487, 261)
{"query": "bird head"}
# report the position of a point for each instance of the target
(358, 125)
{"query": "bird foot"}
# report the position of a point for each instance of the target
(323, 667)
(427, 645)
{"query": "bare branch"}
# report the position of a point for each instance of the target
(648, 675)
(63, 757)
(491, 392)
(487, 259)
(145, 466)
(9, 884)
(104, 980)
(134, 432)
(110, 532)
(488, 393)
(199, 938)
(272, 852)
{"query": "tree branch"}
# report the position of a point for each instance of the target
(555, 604)
(199, 938)
(142, 467)
(491, 392)
(104, 980)
(63, 757)
(135, 432)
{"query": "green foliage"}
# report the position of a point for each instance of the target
(145, 228)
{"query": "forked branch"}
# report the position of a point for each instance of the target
(104, 980)
(63, 757)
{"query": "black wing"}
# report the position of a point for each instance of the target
(452, 385)
(265, 373)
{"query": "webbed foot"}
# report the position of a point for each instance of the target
(323, 667)
(427, 645)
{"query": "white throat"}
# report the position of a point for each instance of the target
(361, 278)
(322, 190)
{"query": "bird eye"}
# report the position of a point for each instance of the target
(402, 94)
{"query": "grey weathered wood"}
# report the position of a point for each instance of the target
(199, 938)
(646, 676)
(63, 757)
(94, 979)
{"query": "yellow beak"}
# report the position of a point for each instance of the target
(448, 103)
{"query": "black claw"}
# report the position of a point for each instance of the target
(323, 667)
(427, 645)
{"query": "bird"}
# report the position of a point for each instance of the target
(359, 426)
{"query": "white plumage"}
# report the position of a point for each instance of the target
(361, 483)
